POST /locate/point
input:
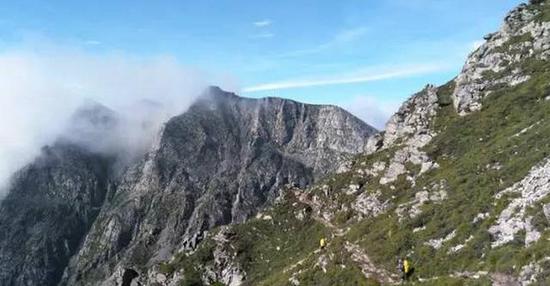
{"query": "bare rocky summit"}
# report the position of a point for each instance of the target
(218, 163)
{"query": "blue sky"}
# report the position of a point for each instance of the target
(367, 56)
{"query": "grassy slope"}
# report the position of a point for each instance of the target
(465, 148)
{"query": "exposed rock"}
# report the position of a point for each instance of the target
(50, 207)
(479, 217)
(352, 189)
(500, 279)
(218, 163)
(472, 85)
(438, 243)
(413, 208)
(374, 143)
(459, 247)
(369, 204)
(412, 121)
(530, 273)
(369, 269)
(533, 188)
(410, 126)
(225, 269)
(322, 262)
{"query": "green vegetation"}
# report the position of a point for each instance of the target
(542, 9)
(467, 150)
(263, 247)
(478, 155)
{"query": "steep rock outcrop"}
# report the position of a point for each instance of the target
(53, 202)
(218, 163)
(51, 205)
(409, 130)
(494, 63)
(514, 219)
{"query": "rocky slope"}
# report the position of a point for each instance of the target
(458, 182)
(218, 163)
(49, 210)
(54, 201)
(239, 191)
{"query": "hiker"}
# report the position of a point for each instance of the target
(322, 243)
(406, 269)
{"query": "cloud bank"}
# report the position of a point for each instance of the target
(40, 91)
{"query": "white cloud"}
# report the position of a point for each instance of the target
(357, 77)
(372, 110)
(263, 23)
(40, 91)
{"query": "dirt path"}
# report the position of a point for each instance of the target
(358, 255)
(367, 266)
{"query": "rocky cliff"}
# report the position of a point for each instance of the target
(218, 163)
(458, 183)
(52, 204)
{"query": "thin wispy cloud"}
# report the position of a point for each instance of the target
(341, 38)
(357, 77)
(263, 23)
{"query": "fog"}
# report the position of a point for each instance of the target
(40, 92)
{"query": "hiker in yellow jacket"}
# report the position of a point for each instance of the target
(322, 243)
(406, 266)
(406, 269)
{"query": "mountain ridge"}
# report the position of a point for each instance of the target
(457, 183)
(240, 191)
(207, 163)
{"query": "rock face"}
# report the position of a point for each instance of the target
(410, 130)
(494, 63)
(218, 163)
(53, 202)
(426, 187)
(51, 206)
(413, 117)
(225, 269)
(514, 219)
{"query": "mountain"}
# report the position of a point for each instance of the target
(459, 183)
(51, 206)
(73, 218)
(239, 191)
(53, 202)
